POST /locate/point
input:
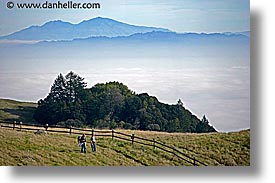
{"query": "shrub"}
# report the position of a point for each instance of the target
(128, 126)
(71, 122)
(113, 124)
(121, 124)
(153, 127)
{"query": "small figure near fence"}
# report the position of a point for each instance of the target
(83, 143)
(78, 141)
(93, 145)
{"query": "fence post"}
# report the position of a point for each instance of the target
(71, 130)
(133, 136)
(20, 125)
(154, 143)
(14, 123)
(112, 134)
(46, 127)
(93, 132)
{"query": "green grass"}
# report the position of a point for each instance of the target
(11, 110)
(231, 149)
(25, 148)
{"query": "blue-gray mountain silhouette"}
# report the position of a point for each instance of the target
(59, 30)
(157, 38)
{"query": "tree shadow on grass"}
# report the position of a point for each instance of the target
(24, 113)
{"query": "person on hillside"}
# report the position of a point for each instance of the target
(78, 141)
(93, 143)
(83, 143)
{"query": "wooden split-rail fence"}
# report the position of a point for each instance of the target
(106, 133)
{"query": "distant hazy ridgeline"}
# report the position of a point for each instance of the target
(59, 30)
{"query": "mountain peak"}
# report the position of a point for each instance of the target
(100, 18)
(56, 22)
(57, 30)
(92, 19)
(97, 20)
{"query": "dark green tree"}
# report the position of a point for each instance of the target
(112, 105)
(180, 103)
(204, 127)
(65, 100)
(52, 108)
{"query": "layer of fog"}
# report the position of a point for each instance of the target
(209, 80)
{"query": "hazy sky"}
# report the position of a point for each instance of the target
(214, 81)
(210, 79)
(177, 15)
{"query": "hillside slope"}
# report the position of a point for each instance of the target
(11, 110)
(25, 148)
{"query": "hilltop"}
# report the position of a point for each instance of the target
(113, 105)
(60, 30)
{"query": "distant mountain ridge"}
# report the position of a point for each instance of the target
(59, 30)
(160, 37)
(245, 33)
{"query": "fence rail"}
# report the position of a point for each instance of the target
(107, 133)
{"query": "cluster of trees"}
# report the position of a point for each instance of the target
(112, 105)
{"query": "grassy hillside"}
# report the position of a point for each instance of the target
(11, 110)
(213, 149)
(26, 148)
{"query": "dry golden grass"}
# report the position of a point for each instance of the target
(231, 149)
(26, 148)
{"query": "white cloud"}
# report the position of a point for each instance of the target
(13, 42)
(222, 94)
